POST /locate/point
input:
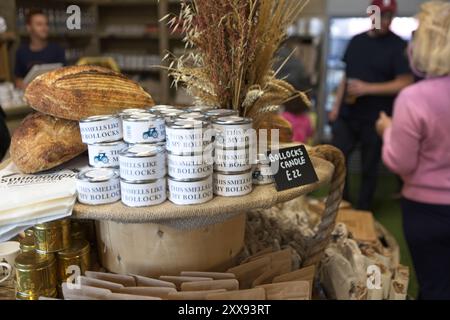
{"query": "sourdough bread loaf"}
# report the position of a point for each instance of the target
(43, 142)
(77, 92)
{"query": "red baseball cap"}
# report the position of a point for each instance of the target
(386, 5)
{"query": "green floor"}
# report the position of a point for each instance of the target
(387, 211)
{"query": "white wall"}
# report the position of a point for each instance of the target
(358, 7)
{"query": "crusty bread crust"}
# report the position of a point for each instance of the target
(43, 142)
(77, 92)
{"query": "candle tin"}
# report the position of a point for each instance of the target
(190, 166)
(143, 128)
(78, 254)
(220, 113)
(52, 236)
(35, 275)
(190, 192)
(143, 163)
(187, 136)
(99, 129)
(233, 132)
(143, 193)
(161, 107)
(262, 171)
(232, 160)
(105, 155)
(233, 184)
(98, 186)
(170, 114)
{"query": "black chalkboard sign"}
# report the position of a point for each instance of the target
(292, 168)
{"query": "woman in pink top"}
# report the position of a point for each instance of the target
(296, 113)
(417, 147)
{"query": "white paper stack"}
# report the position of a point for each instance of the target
(29, 199)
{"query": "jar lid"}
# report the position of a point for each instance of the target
(132, 111)
(98, 175)
(33, 260)
(232, 120)
(108, 144)
(199, 108)
(78, 247)
(142, 150)
(187, 124)
(52, 224)
(139, 117)
(193, 116)
(99, 118)
(221, 113)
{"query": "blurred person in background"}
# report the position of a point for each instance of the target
(417, 147)
(296, 112)
(377, 69)
(39, 50)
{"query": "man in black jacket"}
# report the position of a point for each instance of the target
(5, 138)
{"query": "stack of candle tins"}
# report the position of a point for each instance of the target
(50, 254)
(144, 156)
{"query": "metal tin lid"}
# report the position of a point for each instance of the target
(142, 181)
(131, 111)
(232, 120)
(218, 113)
(77, 248)
(199, 108)
(139, 117)
(32, 260)
(187, 124)
(99, 118)
(193, 116)
(161, 107)
(52, 224)
(142, 150)
(188, 180)
(108, 144)
(98, 175)
(29, 232)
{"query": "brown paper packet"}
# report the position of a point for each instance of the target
(148, 291)
(84, 293)
(100, 284)
(228, 284)
(150, 282)
(304, 274)
(287, 290)
(192, 295)
(248, 272)
(250, 294)
(213, 275)
(126, 281)
(178, 280)
(122, 296)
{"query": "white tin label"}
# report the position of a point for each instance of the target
(105, 155)
(190, 167)
(145, 194)
(233, 136)
(145, 168)
(230, 160)
(148, 131)
(262, 175)
(188, 193)
(181, 141)
(98, 193)
(233, 185)
(101, 131)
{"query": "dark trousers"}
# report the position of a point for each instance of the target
(427, 231)
(347, 134)
(5, 138)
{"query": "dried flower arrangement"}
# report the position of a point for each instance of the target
(233, 45)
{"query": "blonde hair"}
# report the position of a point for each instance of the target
(431, 44)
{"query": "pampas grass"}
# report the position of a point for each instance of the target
(232, 45)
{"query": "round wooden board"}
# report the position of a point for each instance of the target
(261, 197)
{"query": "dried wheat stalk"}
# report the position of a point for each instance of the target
(234, 44)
